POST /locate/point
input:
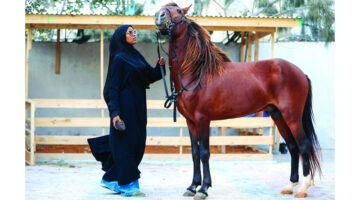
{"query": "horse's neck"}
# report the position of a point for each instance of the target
(179, 45)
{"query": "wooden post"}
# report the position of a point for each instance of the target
(181, 146)
(249, 46)
(241, 59)
(102, 74)
(26, 134)
(272, 44)
(32, 135)
(258, 114)
(271, 133)
(219, 134)
(261, 131)
(26, 112)
(57, 66)
(256, 46)
(254, 134)
(28, 48)
(222, 132)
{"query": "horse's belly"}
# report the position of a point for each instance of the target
(235, 99)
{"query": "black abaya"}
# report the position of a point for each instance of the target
(128, 76)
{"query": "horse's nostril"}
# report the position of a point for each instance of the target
(162, 14)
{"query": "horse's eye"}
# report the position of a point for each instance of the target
(179, 11)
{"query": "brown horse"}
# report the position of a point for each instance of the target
(229, 90)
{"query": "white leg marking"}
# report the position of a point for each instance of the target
(289, 188)
(306, 184)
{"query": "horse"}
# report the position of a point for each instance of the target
(232, 89)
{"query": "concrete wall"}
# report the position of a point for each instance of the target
(79, 78)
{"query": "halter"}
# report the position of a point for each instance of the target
(173, 97)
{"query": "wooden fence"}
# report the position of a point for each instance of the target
(240, 123)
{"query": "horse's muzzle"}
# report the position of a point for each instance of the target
(161, 22)
(163, 31)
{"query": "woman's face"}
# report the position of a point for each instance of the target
(131, 36)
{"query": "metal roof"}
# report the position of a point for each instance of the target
(211, 23)
(211, 16)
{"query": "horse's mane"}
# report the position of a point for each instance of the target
(200, 50)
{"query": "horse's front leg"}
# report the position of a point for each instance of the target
(191, 190)
(203, 130)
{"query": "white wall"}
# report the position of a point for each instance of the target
(80, 78)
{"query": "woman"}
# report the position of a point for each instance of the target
(128, 76)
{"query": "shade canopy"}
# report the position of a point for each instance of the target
(256, 24)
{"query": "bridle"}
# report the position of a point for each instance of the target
(173, 97)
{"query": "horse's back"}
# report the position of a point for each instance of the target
(276, 65)
(271, 70)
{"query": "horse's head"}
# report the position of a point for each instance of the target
(169, 16)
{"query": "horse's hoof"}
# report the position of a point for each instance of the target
(301, 195)
(285, 191)
(188, 193)
(200, 196)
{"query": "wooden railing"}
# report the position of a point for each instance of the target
(243, 123)
(30, 145)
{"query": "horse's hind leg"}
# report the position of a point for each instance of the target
(195, 150)
(294, 121)
(293, 149)
(305, 151)
(305, 147)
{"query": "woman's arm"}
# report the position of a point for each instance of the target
(115, 87)
(154, 73)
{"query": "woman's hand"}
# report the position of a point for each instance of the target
(115, 119)
(161, 61)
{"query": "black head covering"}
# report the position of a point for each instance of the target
(118, 41)
(119, 48)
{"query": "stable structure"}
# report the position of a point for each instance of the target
(254, 27)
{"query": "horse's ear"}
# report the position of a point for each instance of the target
(185, 10)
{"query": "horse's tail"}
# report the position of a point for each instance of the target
(307, 119)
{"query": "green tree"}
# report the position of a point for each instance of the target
(318, 17)
(105, 7)
(199, 6)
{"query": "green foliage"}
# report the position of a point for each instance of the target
(199, 5)
(261, 3)
(269, 10)
(288, 4)
(228, 2)
(139, 9)
(105, 7)
(318, 17)
(38, 6)
(108, 34)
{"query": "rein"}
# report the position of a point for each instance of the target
(173, 97)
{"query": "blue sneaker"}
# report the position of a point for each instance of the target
(131, 189)
(112, 185)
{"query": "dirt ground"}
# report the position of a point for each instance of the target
(168, 179)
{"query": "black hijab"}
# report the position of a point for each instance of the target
(118, 47)
(118, 42)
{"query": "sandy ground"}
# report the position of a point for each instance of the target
(168, 179)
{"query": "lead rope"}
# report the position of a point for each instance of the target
(173, 97)
(162, 67)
